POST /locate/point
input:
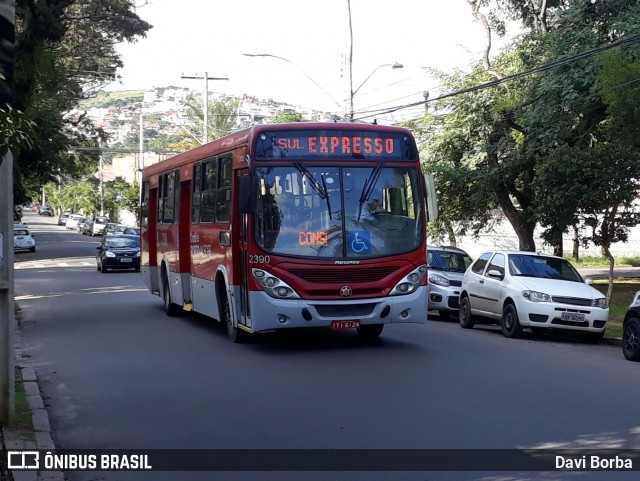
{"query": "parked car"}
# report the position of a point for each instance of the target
(132, 231)
(110, 228)
(525, 289)
(98, 225)
(631, 330)
(23, 239)
(45, 210)
(80, 225)
(446, 266)
(118, 252)
(62, 220)
(72, 221)
(87, 227)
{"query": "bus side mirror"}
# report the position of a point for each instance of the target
(247, 199)
(432, 200)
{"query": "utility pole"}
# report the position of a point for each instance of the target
(7, 321)
(205, 101)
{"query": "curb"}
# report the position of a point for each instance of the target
(40, 437)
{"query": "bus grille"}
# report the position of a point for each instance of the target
(344, 276)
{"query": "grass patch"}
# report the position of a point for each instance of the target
(598, 261)
(22, 416)
(621, 296)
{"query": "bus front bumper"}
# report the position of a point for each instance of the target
(268, 313)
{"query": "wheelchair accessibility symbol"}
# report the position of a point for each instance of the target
(360, 242)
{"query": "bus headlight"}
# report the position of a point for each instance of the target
(273, 286)
(410, 282)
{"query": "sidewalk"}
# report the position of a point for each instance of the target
(39, 437)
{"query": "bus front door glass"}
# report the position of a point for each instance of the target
(341, 213)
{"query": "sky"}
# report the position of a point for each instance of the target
(198, 37)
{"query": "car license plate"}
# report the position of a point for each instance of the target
(572, 317)
(125, 259)
(352, 324)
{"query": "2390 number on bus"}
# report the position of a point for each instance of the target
(256, 259)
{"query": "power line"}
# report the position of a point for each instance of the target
(556, 63)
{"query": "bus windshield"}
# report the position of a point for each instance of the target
(338, 212)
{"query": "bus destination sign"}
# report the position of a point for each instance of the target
(337, 144)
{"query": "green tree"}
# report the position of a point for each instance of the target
(287, 117)
(498, 137)
(222, 116)
(65, 51)
(605, 205)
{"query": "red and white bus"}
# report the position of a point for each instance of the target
(291, 225)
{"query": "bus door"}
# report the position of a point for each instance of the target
(242, 268)
(184, 239)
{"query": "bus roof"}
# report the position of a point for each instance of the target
(246, 137)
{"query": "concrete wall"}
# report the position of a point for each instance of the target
(504, 237)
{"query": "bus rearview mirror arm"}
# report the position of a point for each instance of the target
(432, 200)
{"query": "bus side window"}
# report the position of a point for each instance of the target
(223, 195)
(209, 185)
(144, 205)
(195, 195)
(169, 197)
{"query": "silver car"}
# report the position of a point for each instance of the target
(446, 266)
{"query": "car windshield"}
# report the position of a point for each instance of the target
(543, 267)
(122, 243)
(448, 261)
(338, 212)
(20, 232)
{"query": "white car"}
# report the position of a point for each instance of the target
(525, 289)
(72, 221)
(23, 240)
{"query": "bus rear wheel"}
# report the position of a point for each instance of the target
(169, 307)
(370, 331)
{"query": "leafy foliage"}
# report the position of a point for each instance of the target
(65, 51)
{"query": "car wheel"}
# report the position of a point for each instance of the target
(466, 319)
(32, 249)
(103, 268)
(370, 331)
(631, 339)
(511, 327)
(170, 308)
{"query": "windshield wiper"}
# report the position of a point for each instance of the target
(367, 188)
(320, 189)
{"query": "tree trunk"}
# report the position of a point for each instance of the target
(452, 235)
(607, 253)
(576, 243)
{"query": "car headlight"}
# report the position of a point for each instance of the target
(535, 296)
(602, 303)
(273, 285)
(439, 280)
(410, 282)
(109, 254)
(137, 254)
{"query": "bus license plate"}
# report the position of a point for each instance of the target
(345, 324)
(570, 316)
(125, 259)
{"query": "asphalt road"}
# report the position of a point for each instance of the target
(115, 372)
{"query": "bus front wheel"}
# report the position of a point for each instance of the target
(169, 307)
(235, 335)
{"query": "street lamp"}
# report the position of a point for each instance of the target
(352, 93)
(300, 69)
